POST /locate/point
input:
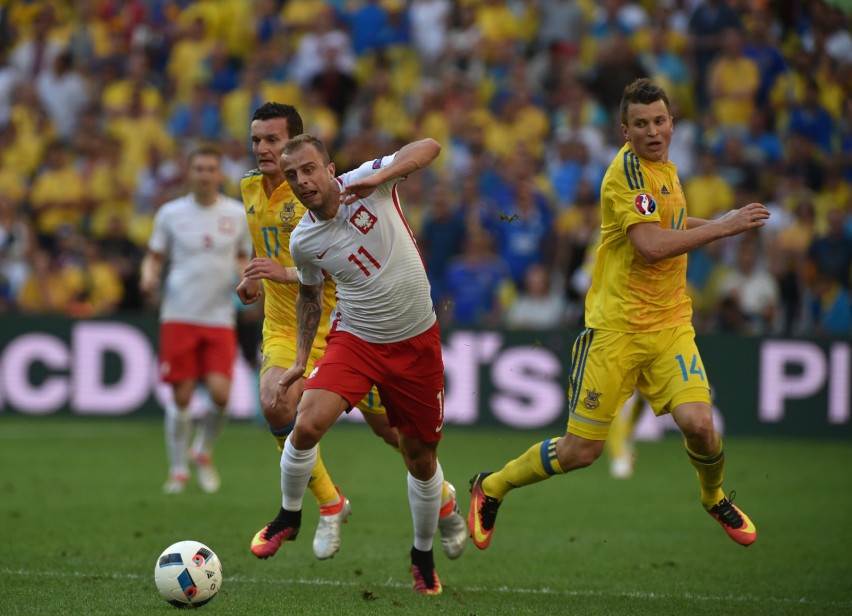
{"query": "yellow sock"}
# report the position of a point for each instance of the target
(710, 470)
(619, 433)
(280, 440)
(320, 484)
(280, 434)
(536, 464)
(635, 412)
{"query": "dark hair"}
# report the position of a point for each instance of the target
(269, 111)
(299, 140)
(642, 92)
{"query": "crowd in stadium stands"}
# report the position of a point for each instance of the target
(100, 101)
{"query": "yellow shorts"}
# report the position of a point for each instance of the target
(371, 403)
(280, 351)
(606, 366)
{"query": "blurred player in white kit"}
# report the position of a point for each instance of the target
(203, 237)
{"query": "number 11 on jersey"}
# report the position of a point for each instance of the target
(363, 252)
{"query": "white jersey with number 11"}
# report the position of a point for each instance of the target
(370, 252)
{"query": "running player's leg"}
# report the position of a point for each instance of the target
(677, 381)
(178, 426)
(600, 380)
(210, 427)
(319, 410)
(178, 367)
(425, 482)
(706, 453)
(451, 524)
(412, 389)
(280, 414)
(217, 358)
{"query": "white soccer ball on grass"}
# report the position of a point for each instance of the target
(188, 574)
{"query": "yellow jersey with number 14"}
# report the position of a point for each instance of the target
(628, 294)
(271, 220)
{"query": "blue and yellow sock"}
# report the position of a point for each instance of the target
(536, 464)
(710, 470)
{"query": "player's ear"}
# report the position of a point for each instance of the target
(331, 169)
(624, 132)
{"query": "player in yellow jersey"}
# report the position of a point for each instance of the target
(638, 318)
(273, 212)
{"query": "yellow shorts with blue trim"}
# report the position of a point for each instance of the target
(371, 403)
(280, 351)
(606, 366)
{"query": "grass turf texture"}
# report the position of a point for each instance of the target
(83, 519)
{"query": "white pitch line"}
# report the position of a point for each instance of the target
(509, 590)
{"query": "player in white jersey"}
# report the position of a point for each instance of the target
(204, 237)
(384, 331)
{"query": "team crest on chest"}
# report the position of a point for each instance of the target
(592, 399)
(363, 220)
(645, 204)
(288, 213)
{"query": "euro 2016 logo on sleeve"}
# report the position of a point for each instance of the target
(645, 204)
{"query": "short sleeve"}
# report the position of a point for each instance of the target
(369, 168)
(307, 272)
(629, 194)
(158, 241)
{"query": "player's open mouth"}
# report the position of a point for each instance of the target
(308, 194)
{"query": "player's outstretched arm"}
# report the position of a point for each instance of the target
(409, 158)
(655, 243)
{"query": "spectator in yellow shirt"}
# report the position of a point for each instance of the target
(732, 83)
(707, 192)
(57, 196)
(45, 290)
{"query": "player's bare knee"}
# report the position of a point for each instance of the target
(276, 411)
(573, 452)
(305, 435)
(422, 462)
(422, 467)
(220, 400)
(701, 435)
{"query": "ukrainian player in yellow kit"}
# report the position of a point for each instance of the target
(273, 212)
(638, 320)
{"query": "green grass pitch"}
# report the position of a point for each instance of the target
(83, 519)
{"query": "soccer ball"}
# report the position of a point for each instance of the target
(188, 573)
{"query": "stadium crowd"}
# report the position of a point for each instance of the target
(101, 101)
